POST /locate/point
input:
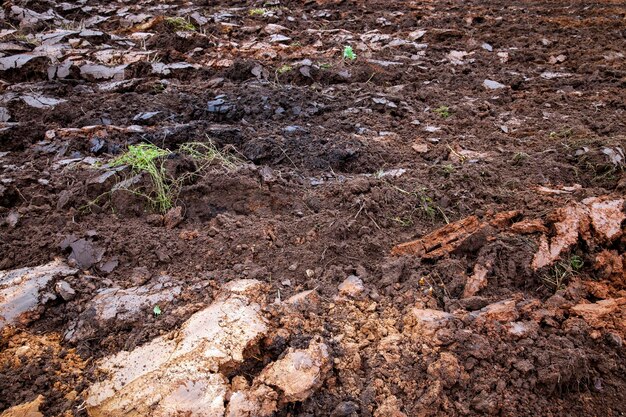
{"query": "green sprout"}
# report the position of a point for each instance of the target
(448, 169)
(348, 53)
(519, 158)
(443, 111)
(325, 65)
(563, 133)
(179, 23)
(557, 277)
(283, 69)
(257, 12)
(156, 310)
(576, 262)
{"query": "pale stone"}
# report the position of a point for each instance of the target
(19, 288)
(300, 372)
(178, 373)
(352, 286)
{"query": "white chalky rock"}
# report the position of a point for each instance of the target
(178, 373)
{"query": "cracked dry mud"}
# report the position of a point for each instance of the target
(435, 228)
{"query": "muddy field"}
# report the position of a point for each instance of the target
(374, 208)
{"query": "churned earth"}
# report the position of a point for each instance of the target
(430, 225)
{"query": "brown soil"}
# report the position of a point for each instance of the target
(317, 200)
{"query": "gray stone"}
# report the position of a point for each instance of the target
(65, 290)
(277, 38)
(493, 85)
(352, 286)
(18, 61)
(101, 72)
(40, 102)
(219, 106)
(5, 116)
(19, 288)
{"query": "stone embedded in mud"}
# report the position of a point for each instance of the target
(522, 328)
(272, 29)
(529, 226)
(60, 71)
(219, 105)
(40, 102)
(260, 402)
(120, 305)
(458, 57)
(95, 72)
(299, 373)
(19, 61)
(167, 69)
(250, 288)
(606, 217)
(5, 116)
(177, 374)
(65, 290)
(173, 217)
(441, 241)
(85, 254)
(477, 281)
(455, 235)
(28, 17)
(304, 299)
(278, 38)
(428, 321)
(493, 85)
(352, 286)
(19, 288)
(594, 312)
(345, 409)
(502, 311)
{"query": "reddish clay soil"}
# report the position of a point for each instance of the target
(341, 161)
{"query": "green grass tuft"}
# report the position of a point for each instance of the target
(257, 12)
(148, 158)
(443, 111)
(180, 23)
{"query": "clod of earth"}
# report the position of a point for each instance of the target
(602, 215)
(452, 236)
(599, 215)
